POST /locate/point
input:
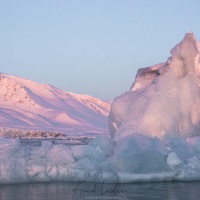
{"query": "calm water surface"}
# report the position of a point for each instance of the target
(101, 191)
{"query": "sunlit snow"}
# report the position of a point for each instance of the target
(27, 105)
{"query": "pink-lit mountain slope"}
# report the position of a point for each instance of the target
(28, 105)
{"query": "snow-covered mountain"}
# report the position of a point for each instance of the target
(27, 105)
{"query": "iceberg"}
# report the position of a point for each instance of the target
(164, 100)
(154, 133)
(135, 158)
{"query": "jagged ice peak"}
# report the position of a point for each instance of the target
(164, 100)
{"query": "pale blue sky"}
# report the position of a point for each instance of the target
(91, 46)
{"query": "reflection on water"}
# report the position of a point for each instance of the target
(98, 191)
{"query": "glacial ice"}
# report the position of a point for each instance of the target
(155, 133)
(164, 99)
(134, 158)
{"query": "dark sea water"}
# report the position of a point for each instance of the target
(101, 191)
